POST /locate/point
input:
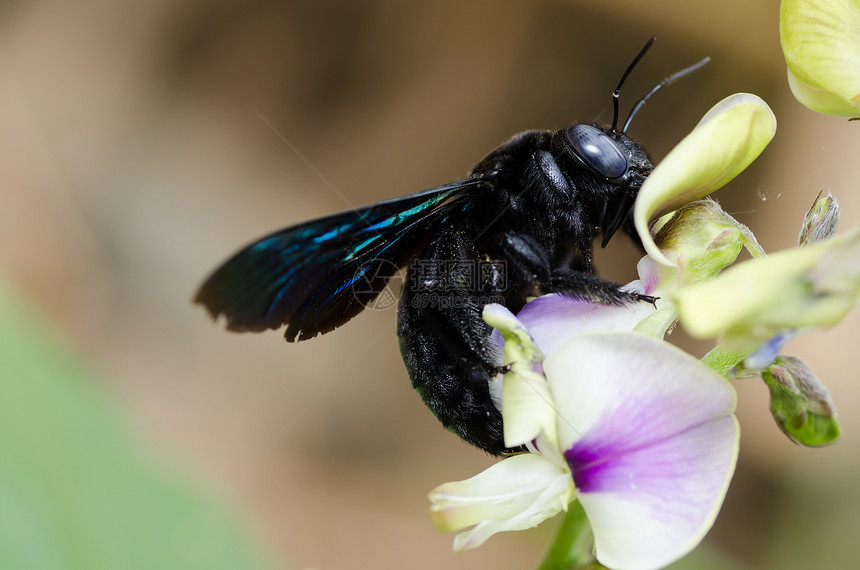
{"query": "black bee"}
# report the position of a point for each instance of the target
(522, 224)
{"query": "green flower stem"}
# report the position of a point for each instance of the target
(573, 544)
(724, 362)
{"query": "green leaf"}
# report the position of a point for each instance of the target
(77, 489)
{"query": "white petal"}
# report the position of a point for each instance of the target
(527, 407)
(514, 494)
(650, 274)
(499, 317)
(749, 303)
(650, 436)
(727, 139)
(658, 280)
(526, 403)
(633, 388)
(511, 336)
(821, 100)
(821, 43)
(651, 506)
(554, 319)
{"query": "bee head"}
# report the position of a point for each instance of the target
(617, 163)
(620, 163)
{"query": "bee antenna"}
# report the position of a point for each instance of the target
(667, 81)
(617, 93)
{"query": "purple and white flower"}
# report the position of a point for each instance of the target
(640, 432)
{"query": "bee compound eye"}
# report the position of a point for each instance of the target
(594, 147)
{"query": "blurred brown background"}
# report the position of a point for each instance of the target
(142, 142)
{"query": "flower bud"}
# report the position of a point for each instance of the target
(820, 221)
(701, 240)
(799, 403)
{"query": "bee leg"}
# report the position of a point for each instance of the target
(527, 256)
(532, 268)
(590, 287)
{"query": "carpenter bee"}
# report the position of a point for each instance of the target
(522, 224)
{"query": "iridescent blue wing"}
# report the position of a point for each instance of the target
(316, 276)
